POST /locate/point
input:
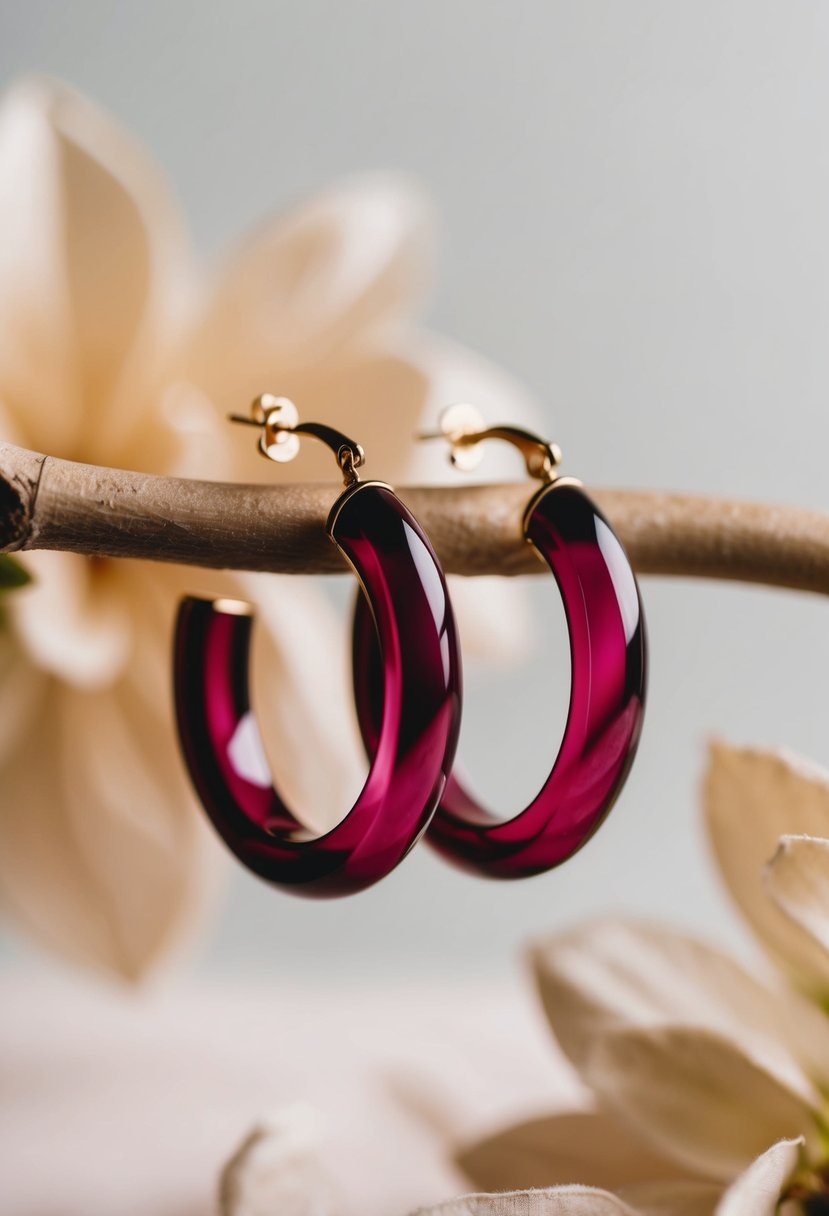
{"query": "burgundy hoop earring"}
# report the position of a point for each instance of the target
(406, 600)
(608, 675)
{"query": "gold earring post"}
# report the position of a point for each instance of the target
(278, 420)
(464, 429)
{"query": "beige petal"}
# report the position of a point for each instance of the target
(93, 275)
(278, 1169)
(752, 797)
(311, 281)
(797, 879)
(300, 672)
(22, 689)
(611, 975)
(198, 442)
(37, 372)
(105, 857)
(757, 1191)
(698, 1098)
(681, 1198)
(590, 1147)
(73, 620)
(12, 428)
(302, 696)
(559, 1201)
(497, 623)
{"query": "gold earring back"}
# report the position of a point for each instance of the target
(278, 421)
(464, 429)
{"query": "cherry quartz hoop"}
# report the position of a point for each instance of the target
(420, 680)
(607, 697)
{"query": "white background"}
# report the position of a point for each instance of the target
(634, 200)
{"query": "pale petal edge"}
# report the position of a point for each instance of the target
(553, 1201)
(590, 1148)
(797, 880)
(758, 1189)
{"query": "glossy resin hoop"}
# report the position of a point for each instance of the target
(607, 696)
(420, 681)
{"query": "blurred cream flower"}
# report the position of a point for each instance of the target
(695, 1066)
(111, 352)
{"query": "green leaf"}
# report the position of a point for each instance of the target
(12, 574)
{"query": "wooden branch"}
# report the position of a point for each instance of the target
(55, 504)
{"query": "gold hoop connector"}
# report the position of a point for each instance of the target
(278, 420)
(464, 429)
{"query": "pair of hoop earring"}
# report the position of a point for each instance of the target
(408, 685)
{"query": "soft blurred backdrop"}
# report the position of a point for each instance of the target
(633, 202)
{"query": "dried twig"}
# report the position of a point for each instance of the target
(56, 504)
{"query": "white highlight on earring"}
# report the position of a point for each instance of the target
(247, 753)
(621, 575)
